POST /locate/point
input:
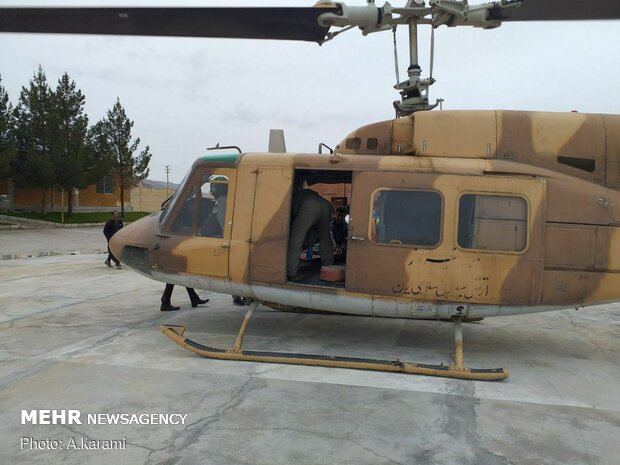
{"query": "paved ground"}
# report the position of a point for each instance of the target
(77, 335)
(36, 241)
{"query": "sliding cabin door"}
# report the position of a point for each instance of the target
(270, 224)
(449, 238)
(196, 236)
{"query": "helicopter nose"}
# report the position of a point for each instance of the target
(133, 244)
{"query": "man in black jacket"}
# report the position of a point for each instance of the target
(113, 225)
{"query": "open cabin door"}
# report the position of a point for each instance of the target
(446, 237)
(270, 224)
(195, 238)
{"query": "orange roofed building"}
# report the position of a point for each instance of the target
(105, 195)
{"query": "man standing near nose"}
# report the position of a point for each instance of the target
(113, 225)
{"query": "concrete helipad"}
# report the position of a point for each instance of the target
(76, 335)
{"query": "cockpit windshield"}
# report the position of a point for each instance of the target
(168, 204)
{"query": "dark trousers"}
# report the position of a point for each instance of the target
(165, 297)
(111, 257)
(311, 222)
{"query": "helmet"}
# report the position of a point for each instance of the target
(219, 185)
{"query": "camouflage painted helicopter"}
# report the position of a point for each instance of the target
(462, 214)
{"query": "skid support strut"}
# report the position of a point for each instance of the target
(236, 352)
(459, 363)
(236, 349)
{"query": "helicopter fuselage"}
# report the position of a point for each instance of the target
(452, 213)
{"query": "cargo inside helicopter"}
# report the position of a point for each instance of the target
(452, 214)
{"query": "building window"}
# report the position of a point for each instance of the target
(492, 222)
(105, 185)
(409, 217)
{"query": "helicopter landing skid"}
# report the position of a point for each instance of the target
(236, 352)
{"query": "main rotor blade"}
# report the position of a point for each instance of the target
(558, 10)
(243, 23)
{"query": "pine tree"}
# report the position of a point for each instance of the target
(111, 137)
(32, 165)
(73, 160)
(6, 132)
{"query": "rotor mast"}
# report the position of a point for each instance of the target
(369, 19)
(413, 91)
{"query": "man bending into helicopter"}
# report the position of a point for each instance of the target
(310, 211)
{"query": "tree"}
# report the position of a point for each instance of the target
(6, 132)
(75, 164)
(32, 165)
(111, 138)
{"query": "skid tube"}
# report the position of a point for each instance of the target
(457, 370)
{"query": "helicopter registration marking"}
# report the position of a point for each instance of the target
(480, 289)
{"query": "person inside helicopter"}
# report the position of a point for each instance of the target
(310, 211)
(340, 231)
(213, 225)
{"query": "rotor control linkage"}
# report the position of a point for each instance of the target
(371, 18)
(236, 352)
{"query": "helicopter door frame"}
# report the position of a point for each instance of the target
(190, 248)
(270, 223)
(434, 267)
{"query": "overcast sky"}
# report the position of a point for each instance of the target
(188, 94)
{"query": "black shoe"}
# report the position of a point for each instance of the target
(168, 308)
(197, 302)
(238, 300)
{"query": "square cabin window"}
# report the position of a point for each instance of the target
(492, 222)
(407, 217)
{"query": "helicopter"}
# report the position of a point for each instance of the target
(462, 215)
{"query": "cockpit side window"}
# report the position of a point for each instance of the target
(212, 212)
(202, 205)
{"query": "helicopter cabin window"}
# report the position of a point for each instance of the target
(407, 217)
(212, 211)
(492, 222)
(372, 143)
(353, 143)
